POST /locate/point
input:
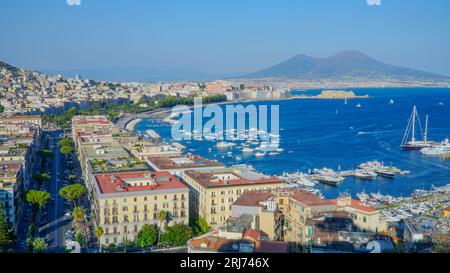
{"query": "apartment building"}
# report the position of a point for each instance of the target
(213, 191)
(126, 201)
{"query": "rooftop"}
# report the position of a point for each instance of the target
(230, 177)
(182, 162)
(137, 182)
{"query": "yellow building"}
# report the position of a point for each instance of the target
(214, 191)
(126, 201)
(365, 218)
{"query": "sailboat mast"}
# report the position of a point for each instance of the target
(426, 129)
(413, 124)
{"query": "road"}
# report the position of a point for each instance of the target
(58, 223)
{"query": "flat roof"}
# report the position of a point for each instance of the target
(182, 162)
(217, 178)
(137, 182)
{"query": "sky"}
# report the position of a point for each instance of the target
(218, 37)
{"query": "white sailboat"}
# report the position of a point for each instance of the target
(414, 144)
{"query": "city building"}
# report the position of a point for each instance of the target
(125, 201)
(214, 191)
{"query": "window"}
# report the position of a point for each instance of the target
(364, 219)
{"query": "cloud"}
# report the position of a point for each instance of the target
(74, 2)
(374, 2)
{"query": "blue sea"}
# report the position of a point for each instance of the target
(328, 133)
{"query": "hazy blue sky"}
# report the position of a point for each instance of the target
(220, 36)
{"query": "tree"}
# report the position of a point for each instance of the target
(147, 236)
(200, 226)
(39, 245)
(73, 192)
(46, 153)
(5, 230)
(66, 150)
(65, 142)
(37, 198)
(78, 214)
(99, 233)
(441, 243)
(177, 235)
(162, 216)
(41, 177)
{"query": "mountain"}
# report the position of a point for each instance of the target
(8, 66)
(343, 65)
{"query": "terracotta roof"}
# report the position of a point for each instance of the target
(116, 182)
(252, 234)
(310, 199)
(358, 205)
(253, 198)
(271, 247)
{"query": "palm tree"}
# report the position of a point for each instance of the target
(78, 214)
(162, 216)
(99, 234)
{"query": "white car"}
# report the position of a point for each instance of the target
(68, 214)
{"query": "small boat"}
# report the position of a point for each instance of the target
(247, 150)
(362, 196)
(363, 176)
(279, 150)
(329, 180)
(359, 105)
(385, 173)
(377, 196)
(391, 101)
(272, 153)
(441, 103)
(259, 154)
(225, 144)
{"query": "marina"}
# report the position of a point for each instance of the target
(319, 137)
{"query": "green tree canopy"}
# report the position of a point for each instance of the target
(177, 235)
(37, 198)
(46, 153)
(147, 236)
(5, 230)
(39, 245)
(78, 214)
(41, 177)
(66, 150)
(73, 192)
(65, 142)
(200, 226)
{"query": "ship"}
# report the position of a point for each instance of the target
(442, 148)
(412, 143)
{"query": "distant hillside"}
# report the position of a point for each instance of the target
(343, 65)
(7, 66)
